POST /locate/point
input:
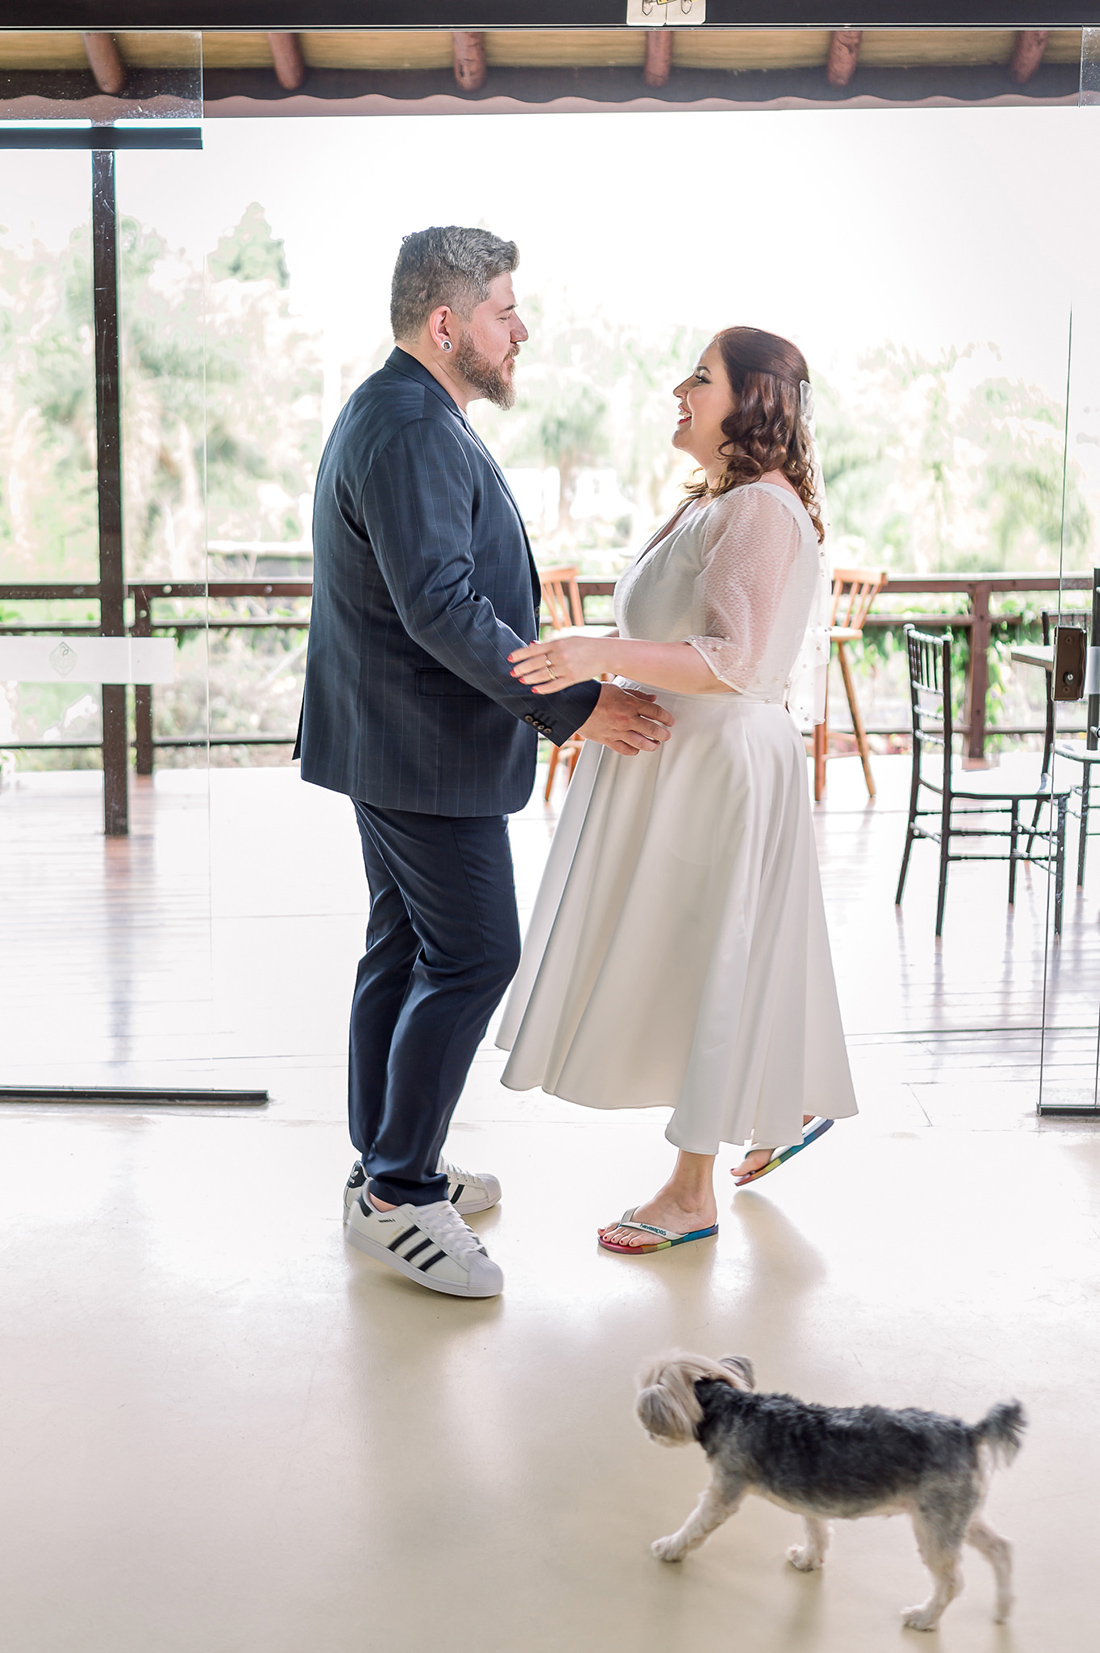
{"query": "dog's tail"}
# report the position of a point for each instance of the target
(1002, 1430)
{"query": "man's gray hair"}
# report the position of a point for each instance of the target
(445, 265)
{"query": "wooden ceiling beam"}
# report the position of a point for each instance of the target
(468, 51)
(105, 62)
(286, 54)
(840, 65)
(1027, 54)
(658, 57)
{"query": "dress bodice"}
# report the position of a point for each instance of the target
(735, 577)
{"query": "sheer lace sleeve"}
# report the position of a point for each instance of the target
(750, 547)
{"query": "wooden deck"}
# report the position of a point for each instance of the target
(217, 945)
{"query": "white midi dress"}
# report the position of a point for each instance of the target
(677, 954)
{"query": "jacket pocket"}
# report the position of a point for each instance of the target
(437, 683)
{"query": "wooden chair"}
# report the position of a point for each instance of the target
(1049, 619)
(854, 590)
(563, 611)
(1084, 752)
(561, 601)
(963, 811)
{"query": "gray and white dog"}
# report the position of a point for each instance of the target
(834, 1463)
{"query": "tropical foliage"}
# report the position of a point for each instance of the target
(932, 465)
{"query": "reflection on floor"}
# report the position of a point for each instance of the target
(224, 1431)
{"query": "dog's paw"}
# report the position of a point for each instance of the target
(668, 1549)
(919, 1618)
(806, 1560)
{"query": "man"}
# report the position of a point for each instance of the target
(423, 585)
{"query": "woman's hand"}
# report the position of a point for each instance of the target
(559, 662)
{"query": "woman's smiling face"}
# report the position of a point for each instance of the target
(705, 399)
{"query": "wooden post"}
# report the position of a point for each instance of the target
(104, 61)
(468, 53)
(658, 57)
(978, 675)
(143, 692)
(840, 65)
(1027, 53)
(286, 54)
(108, 422)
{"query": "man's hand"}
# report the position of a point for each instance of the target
(627, 721)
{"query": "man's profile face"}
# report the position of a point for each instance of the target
(486, 352)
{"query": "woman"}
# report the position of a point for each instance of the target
(677, 953)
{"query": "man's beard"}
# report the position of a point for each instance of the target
(479, 372)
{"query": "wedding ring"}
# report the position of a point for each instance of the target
(550, 668)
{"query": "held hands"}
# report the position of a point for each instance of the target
(626, 720)
(559, 662)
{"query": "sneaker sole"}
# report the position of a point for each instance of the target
(463, 1209)
(371, 1248)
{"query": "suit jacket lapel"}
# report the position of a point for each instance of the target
(511, 498)
(401, 362)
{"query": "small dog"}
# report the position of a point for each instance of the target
(834, 1462)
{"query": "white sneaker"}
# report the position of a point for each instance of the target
(467, 1191)
(427, 1243)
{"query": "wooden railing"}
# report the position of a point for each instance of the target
(978, 619)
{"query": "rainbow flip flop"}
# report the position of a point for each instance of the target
(664, 1237)
(813, 1131)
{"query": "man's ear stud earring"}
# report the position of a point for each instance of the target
(446, 344)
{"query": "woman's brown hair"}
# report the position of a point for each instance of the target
(765, 431)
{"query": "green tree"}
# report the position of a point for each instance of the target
(250, 252)
(932, 467)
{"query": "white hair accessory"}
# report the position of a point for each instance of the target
(806, 400)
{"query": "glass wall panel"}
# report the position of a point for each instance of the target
(105, 969)
(1071, 1009)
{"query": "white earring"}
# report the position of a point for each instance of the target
(446, 344)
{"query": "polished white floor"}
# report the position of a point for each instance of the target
(222, 1431)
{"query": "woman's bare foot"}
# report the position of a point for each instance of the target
(685, 1203)
(757, 1158)
(664, 1211)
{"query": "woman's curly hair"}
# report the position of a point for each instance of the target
(765, 430)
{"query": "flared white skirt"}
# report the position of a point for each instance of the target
(677, 954)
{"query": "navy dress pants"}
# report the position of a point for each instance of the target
(442, 945)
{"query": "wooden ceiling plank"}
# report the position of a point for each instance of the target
(104, 61)
(235, 49)
(383, 49)
(840, 65)
(468, 50)
(749, 48)
(566, 48)
(1027, 54)
(658, 57)
(286, 54)
(160, 48)
(1064, 46)
(30, 49)
(934, 48)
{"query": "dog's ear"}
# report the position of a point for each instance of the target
(741, 1367)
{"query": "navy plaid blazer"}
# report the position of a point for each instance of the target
(423, 584)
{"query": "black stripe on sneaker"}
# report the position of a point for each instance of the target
(401, 1238)
(431, 1262)
(414, 1251)
(457, 1195)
